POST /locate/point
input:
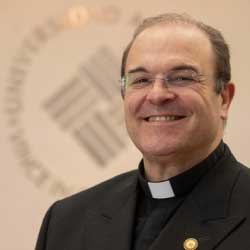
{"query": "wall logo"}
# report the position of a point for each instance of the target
(75, 106)
(63, 105)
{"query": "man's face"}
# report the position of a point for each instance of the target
(163, 121)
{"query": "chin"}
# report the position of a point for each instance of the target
(156, 151)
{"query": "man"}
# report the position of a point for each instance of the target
(189, 191)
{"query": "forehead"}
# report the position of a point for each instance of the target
(163, 46)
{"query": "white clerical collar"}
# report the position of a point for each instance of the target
(161, 190)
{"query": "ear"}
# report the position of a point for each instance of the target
(227, 95)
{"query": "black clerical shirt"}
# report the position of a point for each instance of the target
(152, 214)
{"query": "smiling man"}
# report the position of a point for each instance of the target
(189, 191)
(175, 126)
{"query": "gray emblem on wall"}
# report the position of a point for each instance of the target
(86, 107)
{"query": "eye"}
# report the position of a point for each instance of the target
(141, 80)
(138, 80)
(182, 77)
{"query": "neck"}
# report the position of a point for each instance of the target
(159, 168)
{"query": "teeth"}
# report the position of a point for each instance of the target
(163, 118)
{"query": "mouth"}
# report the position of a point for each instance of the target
(165, 118)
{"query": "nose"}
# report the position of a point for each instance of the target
(160, 93)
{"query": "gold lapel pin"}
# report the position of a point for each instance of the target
(190, 244)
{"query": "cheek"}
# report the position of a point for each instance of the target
(129, 113)
(209, 112)
(205, 99)
(132, 104)
(127, 109)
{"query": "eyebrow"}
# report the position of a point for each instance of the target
(138, 69)
(178, 67)
(185, 67)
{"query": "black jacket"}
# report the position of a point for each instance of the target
(216, 213)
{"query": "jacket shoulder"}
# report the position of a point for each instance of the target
(96, 194)
(244, 177)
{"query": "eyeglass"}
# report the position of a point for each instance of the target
(174, 78)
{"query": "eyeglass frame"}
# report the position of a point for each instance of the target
(196, 78)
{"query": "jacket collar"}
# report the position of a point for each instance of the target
(183, 183)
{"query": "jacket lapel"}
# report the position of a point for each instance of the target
(206, 213)
(110, 227)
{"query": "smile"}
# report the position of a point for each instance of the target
(164, 118)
